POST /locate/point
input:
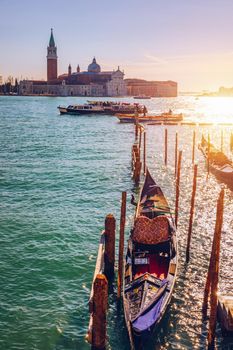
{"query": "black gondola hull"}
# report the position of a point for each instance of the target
(221, 175)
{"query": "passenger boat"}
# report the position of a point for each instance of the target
(150, 264)
(164, 117)
(80, 109)
(219, 164)
(102, 107)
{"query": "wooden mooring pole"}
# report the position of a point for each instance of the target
(136, 163)
(140, 137)
(136, 123)
(191, 213)
(100, 304)
(109, 253)
(136, 129)
(213, 273)
(194, 141)
(176, 150)
(178, 187)
(165, 147)
(134, 147)
(144, 153)
(121, 244)
(137, 172)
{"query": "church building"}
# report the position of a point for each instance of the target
(92, 82)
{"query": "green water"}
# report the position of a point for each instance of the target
(59, 177)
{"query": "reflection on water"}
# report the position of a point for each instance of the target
(59, 177)
(205, 109)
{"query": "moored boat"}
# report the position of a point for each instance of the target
(150, 264)
(219, 164)
(163, 117)
(102, 107)
(81, 109)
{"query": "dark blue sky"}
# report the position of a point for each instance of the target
(184, 40)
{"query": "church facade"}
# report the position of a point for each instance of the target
(92, 82)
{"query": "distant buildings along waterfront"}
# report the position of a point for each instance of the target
(92, 82)
(222, 92)
(138, 87)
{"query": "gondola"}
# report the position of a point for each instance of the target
(219, 164)
(150, 264)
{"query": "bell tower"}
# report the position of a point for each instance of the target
(51, 59)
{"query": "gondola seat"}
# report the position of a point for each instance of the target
(151, 231)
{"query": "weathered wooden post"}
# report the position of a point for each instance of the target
(221, 140)
(134, 150)
(136, 129)
(144, 154)
(214, 273)
(165, 147)
(136, 162)
(137, 171)
(109, 254)
(178, 187)
(194, 141)
(191, 213)
(208, 281)
(176, 150)
(136, 123)
(100, 304)
(140, 137)
(121, 244)
(211, 263)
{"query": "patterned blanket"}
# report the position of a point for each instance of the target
(151, 231)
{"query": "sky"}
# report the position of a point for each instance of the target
(188, 41)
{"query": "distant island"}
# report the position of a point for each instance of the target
(222, 92)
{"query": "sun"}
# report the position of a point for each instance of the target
(217, 109)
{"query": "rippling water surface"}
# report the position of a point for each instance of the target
(59, 177)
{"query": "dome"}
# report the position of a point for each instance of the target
(94, 67)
